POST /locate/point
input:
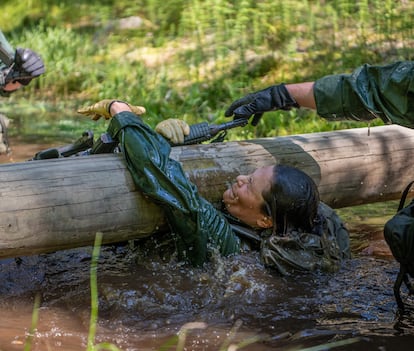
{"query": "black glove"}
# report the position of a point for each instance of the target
(27, 65)
(272, 98)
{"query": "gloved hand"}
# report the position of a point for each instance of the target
(174, 130)
(27, 65)
(275, 97)
(102, 109)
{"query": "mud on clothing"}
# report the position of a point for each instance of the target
(197, 225)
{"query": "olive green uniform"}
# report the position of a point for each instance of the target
(197, 226)
(370, 92)
(323, 249)
(193, 220)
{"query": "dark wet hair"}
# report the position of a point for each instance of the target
(292, 201)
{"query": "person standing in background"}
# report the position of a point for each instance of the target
(17, 68)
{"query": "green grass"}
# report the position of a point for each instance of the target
(191, 58)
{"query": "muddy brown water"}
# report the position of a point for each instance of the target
(145, 300)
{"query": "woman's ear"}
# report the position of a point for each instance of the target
(264, 222)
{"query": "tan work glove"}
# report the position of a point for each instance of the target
(173, 129)
(102, 109)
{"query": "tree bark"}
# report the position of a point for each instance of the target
(61, 203)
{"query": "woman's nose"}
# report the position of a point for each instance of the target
(241, 179)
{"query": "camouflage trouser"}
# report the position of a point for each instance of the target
(4, 140)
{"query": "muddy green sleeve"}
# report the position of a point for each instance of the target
(193, 220)
(370, 92)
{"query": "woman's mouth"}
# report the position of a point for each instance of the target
(232, 194)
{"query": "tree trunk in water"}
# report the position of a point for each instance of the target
(61, 203)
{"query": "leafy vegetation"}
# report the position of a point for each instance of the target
(191, 58)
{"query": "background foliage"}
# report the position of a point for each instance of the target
(191, 58)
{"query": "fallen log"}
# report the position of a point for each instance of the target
(57, 204)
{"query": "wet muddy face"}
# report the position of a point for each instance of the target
(244, 199)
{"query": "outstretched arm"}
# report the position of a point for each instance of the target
(303, 94)
(370, 92)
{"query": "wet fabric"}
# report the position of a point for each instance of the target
(198, 226)
(385, 92)
(193, 220)
(399, 235)
(324, 249)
